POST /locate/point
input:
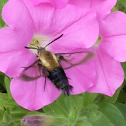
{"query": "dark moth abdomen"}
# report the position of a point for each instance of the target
(59, 79)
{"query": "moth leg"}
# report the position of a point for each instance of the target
(46, 73)
(36, 55)
(31, 65)
(39, 69)
(68, 78)
(45, 84)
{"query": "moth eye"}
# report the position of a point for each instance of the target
(36, 42)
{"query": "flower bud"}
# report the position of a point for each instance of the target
(37, 120)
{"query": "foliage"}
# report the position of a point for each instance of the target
(2, 24)
(121, 5)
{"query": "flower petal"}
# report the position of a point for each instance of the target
(56, 3)
(115, 46)
(113, 32)
(113, 24)
(13, 63)
(50, 22)
(30, 94)
(81, 77)
(102, 7)
(15, 14)
(110, 74)
(13, 40)
(13, 55)
(80, 35)
(70, 21)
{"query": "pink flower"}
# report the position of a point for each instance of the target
(102, 7)
(109, 53)
(26, 23)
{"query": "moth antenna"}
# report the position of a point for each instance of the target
(53, 40)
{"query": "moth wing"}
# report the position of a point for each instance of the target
(33, 73)
(74, 59)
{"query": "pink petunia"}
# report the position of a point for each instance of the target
(111, 49)
(42, 22)
(102, 7)
(109, 53)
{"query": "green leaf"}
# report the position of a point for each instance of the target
(89, 97)
(2, 79)
(83, 123)
(3, 97)
(2, 85)
(122, 97)
(92, 107)
(2, 2)
(113, 114)
(6, 118)
(6, 102)
(122, 108)
(2, 89)
(96, 118)
(124, 68)
(66, 108)
(34, 113)
(14, 124)
(79, 103)
(61, 102)
(114, 9)
(74, 104)
(57, 110)
(70, 102)
(123, 3)
(1, 107)
(18, 113)
(47, 109)
(1, 115)
(2, 73)
(7, 85)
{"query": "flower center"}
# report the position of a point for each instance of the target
(39, 41)
(98, 41)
